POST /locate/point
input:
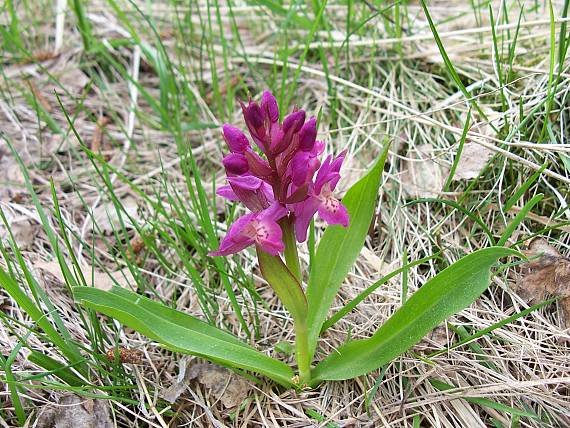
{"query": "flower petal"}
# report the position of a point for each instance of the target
(329, 172)
(236, 240)
(269, 236)
(275, 212)
(302, 168)
(333, 211)
(253, 115)
(255, 193)
(308, 135)
(229, 246)
(226, 192)
(322, 175)
(294, 121)
(304, 212)
(258, 166)
(246, 182)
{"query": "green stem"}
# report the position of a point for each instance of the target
(301, 332)
(291, 255)
(302, 352)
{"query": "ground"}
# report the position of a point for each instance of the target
(111, 148)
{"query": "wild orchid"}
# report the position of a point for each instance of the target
(280, 190)
(283, 184)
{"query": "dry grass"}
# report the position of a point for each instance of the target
(387, 86)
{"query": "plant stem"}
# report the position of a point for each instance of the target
(302, 352)
(291, 255)
(301, 333)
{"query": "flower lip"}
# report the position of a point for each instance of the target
(259, 228)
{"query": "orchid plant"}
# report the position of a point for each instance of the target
(283, 191)
(283, 183)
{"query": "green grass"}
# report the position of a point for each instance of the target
(370, 71)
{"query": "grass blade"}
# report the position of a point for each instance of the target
(519, 218)
(458, 154)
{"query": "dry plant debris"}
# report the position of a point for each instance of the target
(77, 412)
(547, 274)
(125, 355)
(473, 159)
(422, 175)
(224, 385)
(93, 276)
(107, 218)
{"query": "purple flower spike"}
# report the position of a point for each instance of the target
(287, 181)
(259, 228)
(291, 126)
(237, 141)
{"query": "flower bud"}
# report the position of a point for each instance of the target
(253, 116)
(236, 140)
(269, 107)
(308, 135)
(294, 122)
(235, 163)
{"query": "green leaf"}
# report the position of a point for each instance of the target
(55, 368)
(339, 247)
(369, 290)
(284, 284)
(176, 317)
(453, 289)
(181, 332)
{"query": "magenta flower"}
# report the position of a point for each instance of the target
(320, 199)
(260, 228)
(255, 193)
(279, 186)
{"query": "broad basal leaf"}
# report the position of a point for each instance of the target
(181, 332)
(339, 247)
(450, 291)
